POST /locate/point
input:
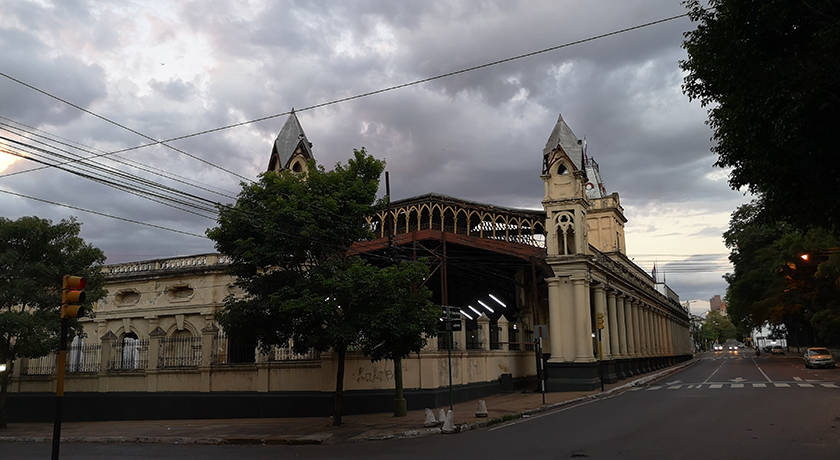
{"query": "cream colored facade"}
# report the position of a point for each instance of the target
(155, 329)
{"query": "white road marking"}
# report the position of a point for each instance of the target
(798, 379)
(534, 417)
(806, 385)
(781, 385)
(759, 385)
(737, 385)
(715, 385)
(653, 388)
(762, 372)
(829, 385)
(737, 379)
(675, 387)
(674, 382)
(715, 372)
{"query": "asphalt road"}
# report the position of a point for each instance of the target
(723, 407)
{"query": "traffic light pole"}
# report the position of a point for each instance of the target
(59, 388)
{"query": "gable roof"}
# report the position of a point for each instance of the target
(563, 136)
(290, 137)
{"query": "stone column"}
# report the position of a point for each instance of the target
(628, 325)
(645, 326)
(568, 331)
(648, 330)
(601, 307)
(637, 331)
(555, 321)
(612, 315)
(106, 351)
(583, 322)
(208, 341)
(622, 325)
(662, 343)
(504, 338)
(484, 331)
(460, 337)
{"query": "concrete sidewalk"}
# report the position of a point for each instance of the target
(308, 430)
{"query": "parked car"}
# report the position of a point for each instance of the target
(818, 357)
(777, 350)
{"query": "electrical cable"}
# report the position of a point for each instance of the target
(118, 159)
(125, 219)
(339, 100)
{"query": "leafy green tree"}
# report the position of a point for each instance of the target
(767, 70)
(400, 326)
(718, 328)
(288, 237)
(34, 255)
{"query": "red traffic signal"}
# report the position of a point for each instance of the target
(72, 295)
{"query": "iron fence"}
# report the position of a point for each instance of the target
(80, 359)
(45, 365)
(83, 358)
(129, 355)
(495, 334)
(287, 353)
(178, 352)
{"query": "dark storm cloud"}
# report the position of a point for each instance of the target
(478, 136)
(28, 59)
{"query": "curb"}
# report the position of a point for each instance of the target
(529, 412)
(309, 439)
(321, 438)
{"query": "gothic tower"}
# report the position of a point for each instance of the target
(291, 148)
(565, 201)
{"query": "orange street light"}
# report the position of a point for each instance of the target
(805, 257)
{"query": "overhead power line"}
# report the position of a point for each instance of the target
(124, 219)
(154, 141)
(338, 100)
(24, 130)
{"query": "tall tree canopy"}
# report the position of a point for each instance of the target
(34, 255)
(768, 72)
(289, 238)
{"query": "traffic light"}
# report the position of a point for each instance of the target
(600, 320)
(72, 296)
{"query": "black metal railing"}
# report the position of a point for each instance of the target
(178, 352)
(129, 355)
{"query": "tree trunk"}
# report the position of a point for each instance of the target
(400, 407)
(4, 386)
(339, 387)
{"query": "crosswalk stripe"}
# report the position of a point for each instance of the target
(675, 387)
(716, 385)
(653, 388)
(759, 385)
(737, 385)
(781, 385)
(798, 379)
(829, 385)
(806, 385)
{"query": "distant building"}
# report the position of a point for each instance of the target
(718, 305)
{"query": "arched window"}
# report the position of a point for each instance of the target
(565, 233)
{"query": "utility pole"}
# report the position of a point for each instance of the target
(445, 301)
(537, 341)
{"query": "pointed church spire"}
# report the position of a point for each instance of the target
(291, 148)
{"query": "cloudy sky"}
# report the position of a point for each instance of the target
(167, 69)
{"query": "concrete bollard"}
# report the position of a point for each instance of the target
(430, 419)
(482, 409)
(441, 416)
(449, 424)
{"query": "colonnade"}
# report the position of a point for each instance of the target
(633, 326)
